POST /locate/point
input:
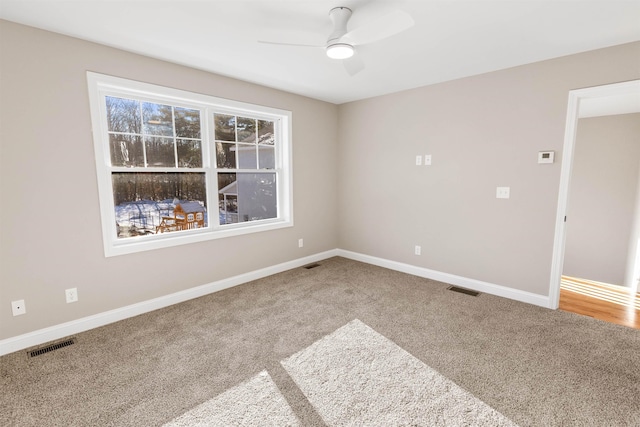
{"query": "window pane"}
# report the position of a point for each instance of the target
(225, 155)
(187, 123)
(157, 119)
(153, 203)
(123, 115)
(227, 198)
(160, 152)
(247, 156)
(246, 129)
(256, 196)
(189, 153)
(266, 134)
(126, 150)
(225, 127)
(267, 157)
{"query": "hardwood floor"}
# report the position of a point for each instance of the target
(611, 303)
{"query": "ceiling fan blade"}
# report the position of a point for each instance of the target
(290, 44)
(353, 65)
(381, 28)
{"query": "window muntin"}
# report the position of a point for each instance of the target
(161, 150)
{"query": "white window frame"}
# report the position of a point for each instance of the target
(101, 85)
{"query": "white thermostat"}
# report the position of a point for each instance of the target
(545, 157)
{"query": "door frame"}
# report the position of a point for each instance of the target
(576, 97)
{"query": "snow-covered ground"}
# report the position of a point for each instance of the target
(143, 216)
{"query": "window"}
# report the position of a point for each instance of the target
(177, 167)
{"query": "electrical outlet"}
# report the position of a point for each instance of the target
(72, 295)
(418, 250)
(18, 307)
(419, 160)
(300, 243)
(502, 192)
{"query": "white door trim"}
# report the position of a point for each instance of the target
(573, 110)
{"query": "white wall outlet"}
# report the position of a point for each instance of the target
(300, 243)
(419, 160)
(72, 294)
(418, 250)
(427, 159)
(18, 307)
(503, 192)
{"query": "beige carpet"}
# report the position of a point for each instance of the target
(535, 366)
(357, 377)
(256, 402)
(352, 377)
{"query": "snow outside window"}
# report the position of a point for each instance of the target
(176, 167)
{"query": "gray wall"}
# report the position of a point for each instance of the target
(355, 183)
(602, 198)
(482, 132)
(50, 219)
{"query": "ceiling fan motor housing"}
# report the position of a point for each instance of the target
(339, 16)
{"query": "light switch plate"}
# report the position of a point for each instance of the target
(427, 159)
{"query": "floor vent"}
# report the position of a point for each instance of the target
(310, 266)
(463, 291)
(52, 347)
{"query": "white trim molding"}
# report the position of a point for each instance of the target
(63, 330)
(67, 329)
(576, 97)
(452, 279)
(103, 87)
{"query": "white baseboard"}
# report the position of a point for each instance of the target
(63, 330)
(476, 285)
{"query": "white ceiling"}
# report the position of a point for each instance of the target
(450, 39)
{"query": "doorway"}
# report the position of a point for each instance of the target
(619, 98)
(610, 303)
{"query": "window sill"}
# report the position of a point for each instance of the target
(145, 243)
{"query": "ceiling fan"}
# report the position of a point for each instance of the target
(342, 43)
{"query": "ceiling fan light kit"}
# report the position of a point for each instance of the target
(340, 51)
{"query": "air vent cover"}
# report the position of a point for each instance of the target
(52, 347)
(463, 291)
